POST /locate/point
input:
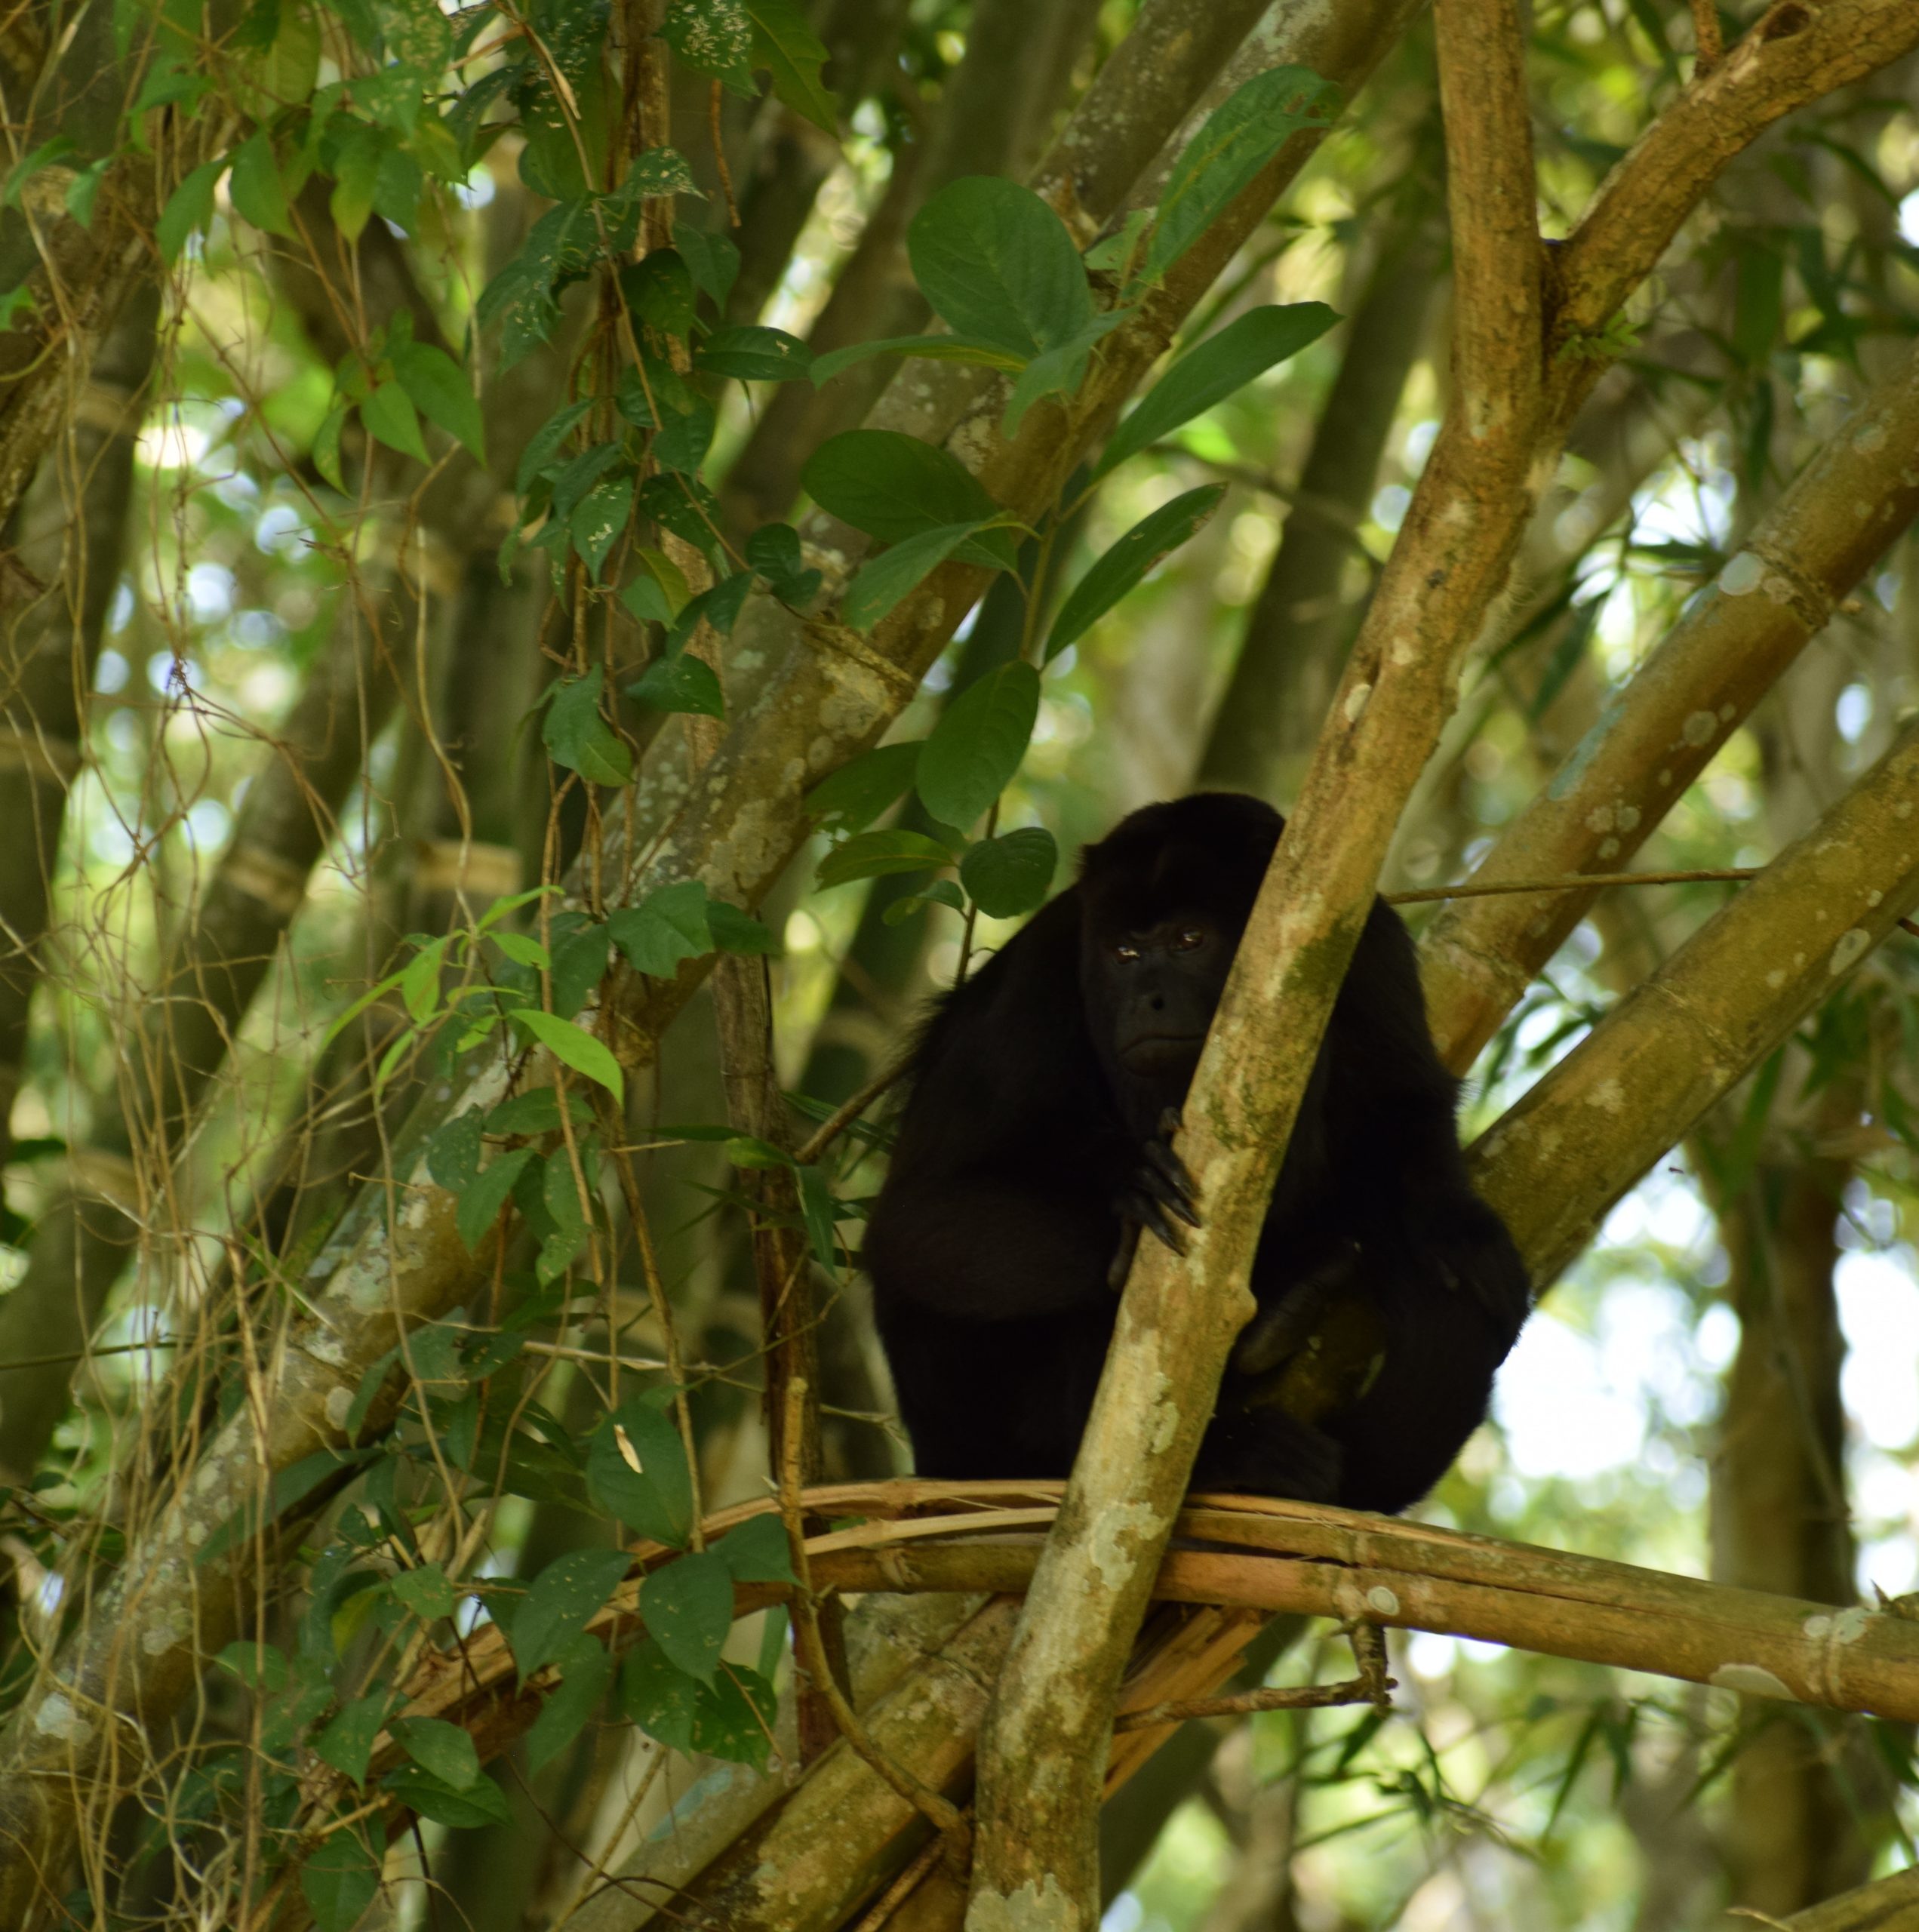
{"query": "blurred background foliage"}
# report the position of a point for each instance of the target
(1728, 1385)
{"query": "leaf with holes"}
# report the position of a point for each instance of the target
(562, 1599)
(688, 1609)
(754, 355)
(637, 1470)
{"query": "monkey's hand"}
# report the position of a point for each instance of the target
(1276, 1334)
(1159, 1195)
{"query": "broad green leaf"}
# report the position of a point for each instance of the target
(898, 570)
(859, 791)
(1241, 135)
(1012, 874)
(578, 737)
(356, 181)
(757, 1551)
(684, 506)
(585, 1670)
(773, 551)
(598, 521)
(425, 1592)
(568, 1042)
(714, 37)
(580, 475)
(688, 1609)
(754, 355)
(189, 207)
(645, 1483)
(561, 246)
(732, 1718)
(581, 957)
(997, 262)
(977, 746)
(670, 924)
(793, 54)
(346, 1743)
(453, 1154)
(659, 289)
(892, 485)
(820, 1210)
(562, 1598)
(438, 1746)
(1210, 372)
(481, 1804)
(877, 854)
(441, 392)
(1127, 562)
(929, 348)
(479, 1206)
(1059, 371)
(259, 1666)
(712, 260)
(937, 892)
(537, 1111)
(684, 436)
(388, 413)
(679, 682)
(256, 187)
(735, 931)
(339, 1879)
(543, 448)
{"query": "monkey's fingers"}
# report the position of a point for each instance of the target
(1146, 1209)
(1165, 1178)
(1122, 1261)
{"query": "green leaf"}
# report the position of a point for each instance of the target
(929, 348)
(714, 37)
(577, 736)
(877, 854)
(997, 262)
(425, 1592)
(820, 1210)
(712, 260)
(735, 931)
(84, 190)
(289, 1486)
(940, 892)
(757, 1551)
(977, 746)
(598, 521)
(658, 289)
(1012, 874)
(773, 551)
(1209, 373)
(732, 1718)
(347, 1743)
(754, 355)
(1241, 135)
(189, 207)
(894, 486)
(649, 1491)
(23, 170)
(439, 1747)
(482, 1803)
(453, 1154)
(679, 682)
(684, 436)
(793, 54)
(898, 570)
(537, 1111)
(1059, 371)
(670, 924)
(339, 1879)
(326, 446)
(542, 448)
(585, 1670)
(256, 187)
(478, 1207)
(388, 414)
(568, 1042)
(859, 791)
(580, 958)
(1129, 560)
(684, 506)
(439, 389)
(688, 1609)
(563, 1598)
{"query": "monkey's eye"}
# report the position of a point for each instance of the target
(1126, 950)
(1192, 937)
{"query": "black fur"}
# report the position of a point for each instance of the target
(1031, 1148)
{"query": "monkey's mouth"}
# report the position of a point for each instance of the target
(1160, 1053)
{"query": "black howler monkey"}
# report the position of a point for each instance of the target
(1034, 1144)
